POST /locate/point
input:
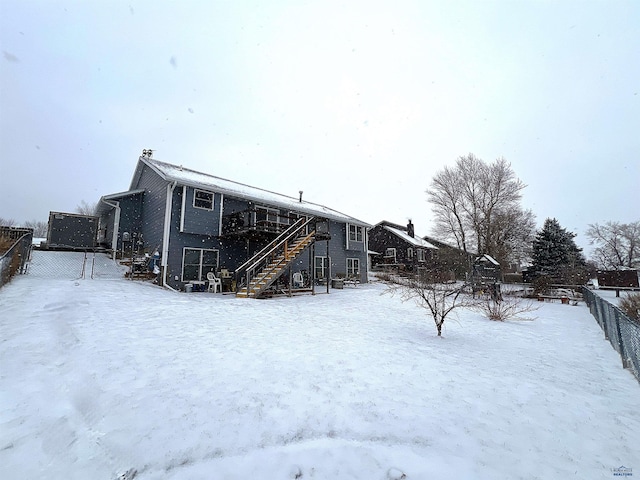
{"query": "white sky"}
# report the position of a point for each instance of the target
(356, 103)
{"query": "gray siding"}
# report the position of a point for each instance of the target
(179, 240)
(105, 235)
(153, 208)
(200, 220)
(339, 254)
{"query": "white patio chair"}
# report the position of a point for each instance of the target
(214, 283)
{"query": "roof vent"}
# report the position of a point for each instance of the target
(300, 192)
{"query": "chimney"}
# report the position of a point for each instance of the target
(300, 196)
(410, 230)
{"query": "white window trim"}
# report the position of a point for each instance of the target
(213, 199)
(410, 253)
(388, 255)
(353, 260)
(421, 255)
(359, 232)
(202, 250)
(327, 269)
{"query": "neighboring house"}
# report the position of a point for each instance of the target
(453, 259)
(198, 223)
(397, 247)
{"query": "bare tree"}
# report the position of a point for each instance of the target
(513, 235)
(430, 291)
(7, 222)
(39, 228)
(85, 208)
(618, 244)
(477, 205)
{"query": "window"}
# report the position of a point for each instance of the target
(202, 199)
(355, 233)
(197, 262)
(390, 255)
(410, 253)
(353, 267)
(269, 219)
(421, 255)
(321, 267)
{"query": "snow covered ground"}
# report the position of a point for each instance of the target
(98, 377)
(610, 295)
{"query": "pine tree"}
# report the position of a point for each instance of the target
(556, 255)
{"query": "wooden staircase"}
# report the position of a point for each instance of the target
(261, 271)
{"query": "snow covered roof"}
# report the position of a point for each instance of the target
(416, 241)
(103, 205)
(489, 258)
(116, 196)
(192, 178)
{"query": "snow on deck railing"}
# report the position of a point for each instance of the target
(622, 332)
(14, 259)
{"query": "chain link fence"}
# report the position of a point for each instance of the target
(74, 265)
(620, 330)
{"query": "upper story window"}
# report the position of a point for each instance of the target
(390, 255)
(356, 233)
(421, 255)
(270, 219)
(202, 199)
(410, 253)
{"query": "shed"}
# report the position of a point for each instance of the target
(72, 231)
(486, 269)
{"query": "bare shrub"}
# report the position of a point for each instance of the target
(5, 244)
(630, 305)
(510, 308)
(431, 291)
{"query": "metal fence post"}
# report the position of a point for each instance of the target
(616, 314)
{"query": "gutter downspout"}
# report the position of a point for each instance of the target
(166, 235)
(116, 228)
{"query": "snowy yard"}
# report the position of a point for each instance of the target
(101, 376)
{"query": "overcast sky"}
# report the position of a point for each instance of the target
(358, 103)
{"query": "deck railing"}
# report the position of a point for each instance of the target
(14, 258)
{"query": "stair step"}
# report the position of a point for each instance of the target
(274, 269)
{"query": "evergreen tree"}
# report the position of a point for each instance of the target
(556, 255)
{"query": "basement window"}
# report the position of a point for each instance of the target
(197, 262)
(353, 267)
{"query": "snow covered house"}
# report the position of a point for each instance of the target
(255, 240)
(397, 247)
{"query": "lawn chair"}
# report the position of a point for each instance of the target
(214, 283)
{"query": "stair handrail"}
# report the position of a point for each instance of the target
(254, 268)
(270, 247)
(292, 233)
